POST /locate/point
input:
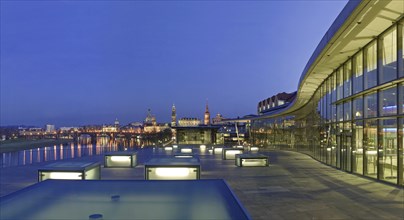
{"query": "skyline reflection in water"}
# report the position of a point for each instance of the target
(82, 148)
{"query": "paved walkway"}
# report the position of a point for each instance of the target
(294, 186)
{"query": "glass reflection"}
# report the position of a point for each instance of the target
(389, 52)
(370, 148)
(371, 65)
(388, 150)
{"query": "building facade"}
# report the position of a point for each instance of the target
(349, 107)
(189, 122)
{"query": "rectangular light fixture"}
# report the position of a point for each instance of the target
(217, 150)
(230, 153)
(252, 160)
(70, 171)
(254, 149)
(120, 159)
(173, 169)
(186, 150)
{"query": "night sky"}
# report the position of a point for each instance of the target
(73, 63)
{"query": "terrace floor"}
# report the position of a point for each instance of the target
(294, 186)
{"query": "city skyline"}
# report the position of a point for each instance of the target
(76, 63)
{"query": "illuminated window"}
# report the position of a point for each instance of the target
(371, 65)
(388, 71)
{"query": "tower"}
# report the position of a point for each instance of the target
(207, 115)
(173, 116)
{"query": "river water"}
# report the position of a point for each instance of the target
(83, 148)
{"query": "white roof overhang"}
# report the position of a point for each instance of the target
(359, 23)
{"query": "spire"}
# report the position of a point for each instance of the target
(207, 114)
(173, 116)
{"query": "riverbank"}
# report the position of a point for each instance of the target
(17, 145)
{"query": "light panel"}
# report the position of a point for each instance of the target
(186, 150)
(172, 171)
(120, 158)
(65, 175)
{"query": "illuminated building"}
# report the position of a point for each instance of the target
(173, 116)
(349, 107)
(50, 128)
(217, 119)
(275, 102)
(116, 123)
(150, 124)
(207, 115)
(187, 122)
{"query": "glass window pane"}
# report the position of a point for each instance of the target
(340, 112)
(348, 79)
(347, 111)
(370, 148)
(333, 87)
(357, 147)
(401, 150)
(388, 101)
(389, 56)
(401, 50)
(340, 83)
(358, 107)
(357, 74)
(388, 150)
(371, 65)
(370, 105)
(401, 98)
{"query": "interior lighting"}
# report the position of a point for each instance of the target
(202, 147)
(65, 175)
(172, 172)
(168, 148)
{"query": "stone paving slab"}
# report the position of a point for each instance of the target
(293, 186)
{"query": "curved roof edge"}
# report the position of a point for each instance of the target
(356, 25)
(335, 26)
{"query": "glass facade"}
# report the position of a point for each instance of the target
(354, 121)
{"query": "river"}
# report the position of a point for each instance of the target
(83, 148)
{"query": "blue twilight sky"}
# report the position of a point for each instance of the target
(72, 63)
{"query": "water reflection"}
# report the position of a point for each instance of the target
(83, 148)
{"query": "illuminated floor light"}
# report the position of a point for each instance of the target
(120, 158)
(172, 171)
(183, 156)
(186, 150)
(253, 162)
(168, 148)
(65, 175)
(218, 150)
(229, 154)
(254, 149)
